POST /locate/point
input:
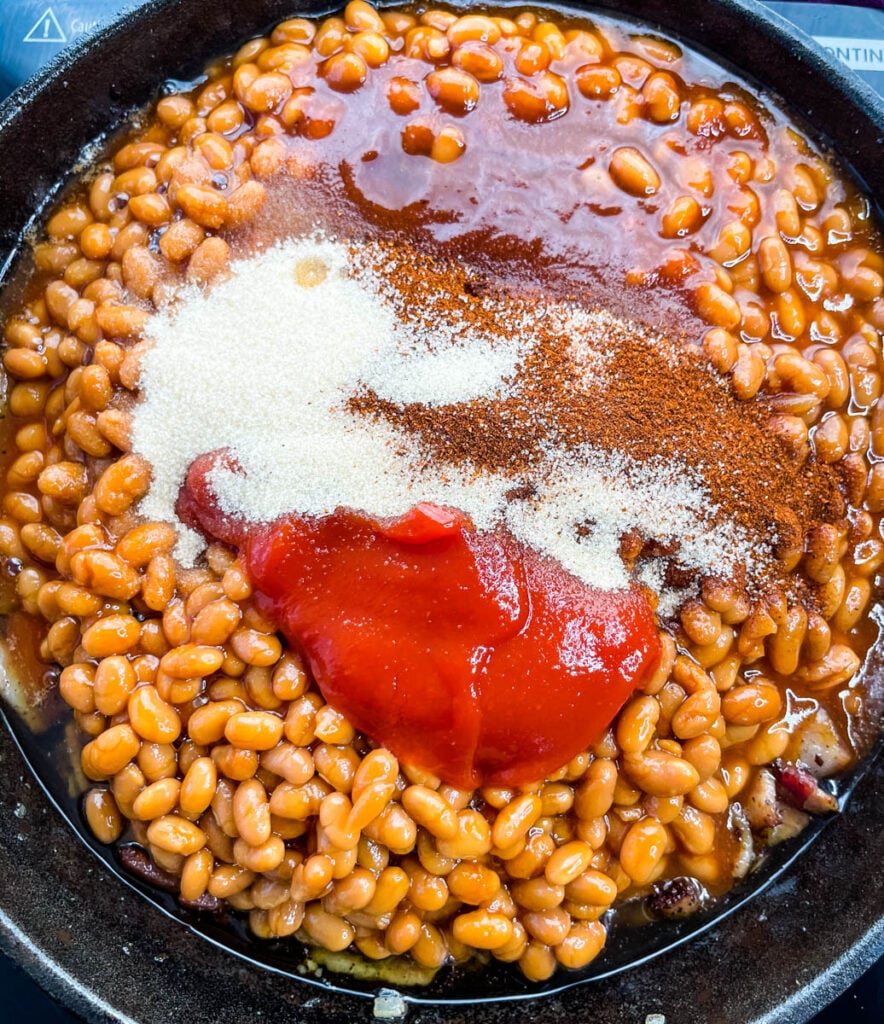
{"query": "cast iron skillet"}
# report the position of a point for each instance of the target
(107, 955)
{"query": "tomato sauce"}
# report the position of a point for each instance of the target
(464, 652)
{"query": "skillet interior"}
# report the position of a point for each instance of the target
(97, 92)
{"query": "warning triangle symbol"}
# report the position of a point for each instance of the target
(46, 29)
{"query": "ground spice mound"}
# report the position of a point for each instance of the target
(591, 379)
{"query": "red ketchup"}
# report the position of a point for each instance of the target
(465, 653)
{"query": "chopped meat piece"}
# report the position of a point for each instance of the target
(677, 897)
(760, 802)
(797, 785)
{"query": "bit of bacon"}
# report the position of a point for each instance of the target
(739, 825)
(677, 897)
(137, 861)
(760, 802)
(797, 786)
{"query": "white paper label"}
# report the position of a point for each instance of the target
(858, 54)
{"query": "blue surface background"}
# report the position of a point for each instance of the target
(33, 31)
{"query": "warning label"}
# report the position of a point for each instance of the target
(46, 29)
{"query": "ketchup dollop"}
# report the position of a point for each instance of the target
(464, 652)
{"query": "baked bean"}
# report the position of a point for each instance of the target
(113, 684)
(228, 879)
(831, 438)
(448, 145)
(751, 703)
(157, 799)
(430, 949)
(632, 171)
(537, 893)
(427, 893)
(395, 829)
(595, 794)
(403, 95)
(114, 425)
(557, 798)
(482, 930)
(453, 89)
(265, 857)
(568, 862)
(683, 217)
(255, 647)
(121, 484)
(298, 802)
(104, 573)
(198, 787)
(154, 719)
(801, 375)
(77, 686)
(111, 751)
(120, 321)
(181, 239)
(710, 796)
(597, 81)
(115, 634)
(642, 850)
(208, 260)
(251, 812)
(294, 764)
(582, 944)
(695, 830)
(329, 931)
(403, 932)
(661, 774)
(661, 97)
(157, 760)
(548, 926)
(207, 723)
(390, 889)
(42, 541)
(195, 874)
(775, 263)
(337, 765)
(205, 206)
(430, 857)
(537, 962)
(769, 743)
(696, 714)
(431, 811)
(835, 667)
(473, 883)
(332, 727)
(477, 59)
(636, 723)
(235, 763)
(592, 887)
(784, 647)
(721, 310)
(856, 599)
(103, 815)
(514, 821)
(542, 97)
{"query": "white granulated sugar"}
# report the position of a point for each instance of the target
(582, 326)
(604, 495)
(445, 375)
(264, 365)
